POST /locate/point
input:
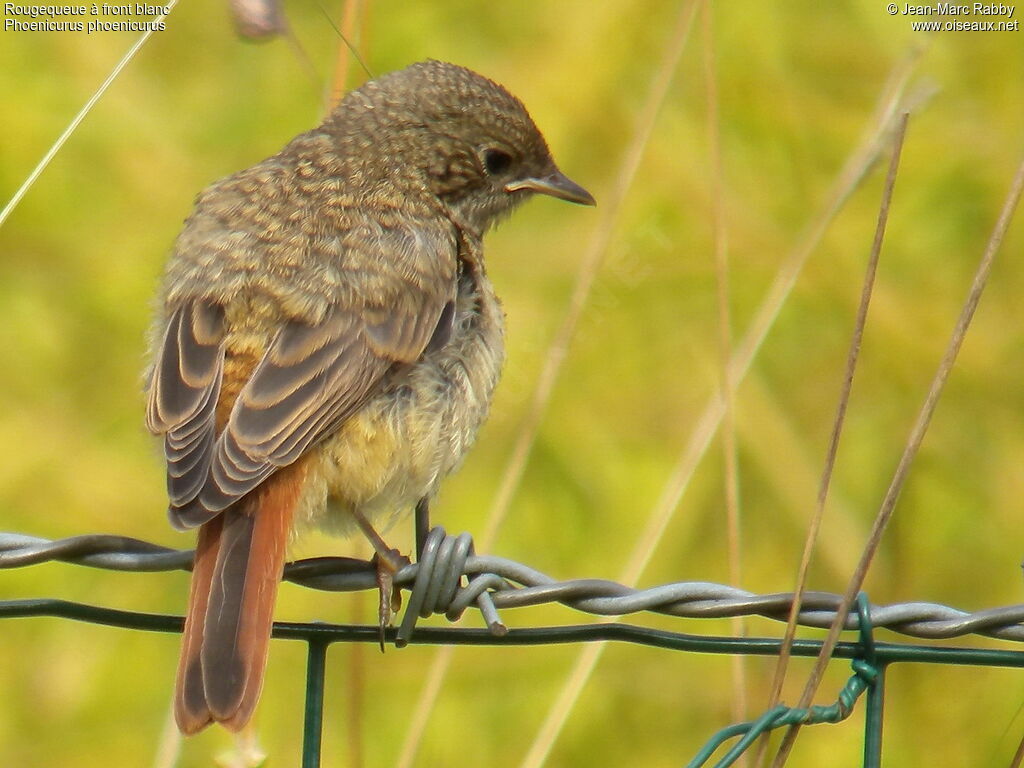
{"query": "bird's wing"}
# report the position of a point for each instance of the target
(312, 378)
(183, 390)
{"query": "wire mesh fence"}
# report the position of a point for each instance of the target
(449, 578)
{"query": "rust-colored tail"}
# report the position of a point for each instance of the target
(239, 558)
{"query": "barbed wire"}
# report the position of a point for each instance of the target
(438, 586)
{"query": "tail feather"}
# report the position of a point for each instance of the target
(190, 709)
(227, 633)
(224, 665)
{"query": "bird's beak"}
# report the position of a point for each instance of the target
(556, 184)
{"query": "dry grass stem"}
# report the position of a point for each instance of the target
(853, 172)
(837, 425)
(729, 455)
(557, 351)
(169, 744)
(589, 265)
(352, 14)
(914, 441)
(305, 62)
(1018, 756)
(77, 119)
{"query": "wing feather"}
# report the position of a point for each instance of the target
(183, 393)
(291, 402)
(310, 380)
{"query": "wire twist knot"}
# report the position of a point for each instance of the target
(437, 585)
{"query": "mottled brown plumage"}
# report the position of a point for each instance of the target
(328, 343)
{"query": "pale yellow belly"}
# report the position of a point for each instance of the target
(401, 444)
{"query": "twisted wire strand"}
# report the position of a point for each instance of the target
(493, 583)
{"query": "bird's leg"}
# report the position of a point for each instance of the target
(422, 517)
(388, 562)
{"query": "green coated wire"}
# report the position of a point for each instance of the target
(865, 672)
(887, 653)
(868, 659)
(312, 731)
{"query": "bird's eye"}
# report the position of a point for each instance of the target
(497, 161)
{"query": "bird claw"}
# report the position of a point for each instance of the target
(387, 565)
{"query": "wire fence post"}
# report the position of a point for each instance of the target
(312, 732)
(873, 720)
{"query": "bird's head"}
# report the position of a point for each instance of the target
(460, 136)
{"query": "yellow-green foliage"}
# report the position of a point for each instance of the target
(797, 85)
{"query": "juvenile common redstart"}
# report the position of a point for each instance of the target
(328, 343)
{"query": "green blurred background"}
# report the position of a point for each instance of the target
(797, 83)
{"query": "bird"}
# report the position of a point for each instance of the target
(326, 346)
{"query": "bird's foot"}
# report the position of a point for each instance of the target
(387, 563)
